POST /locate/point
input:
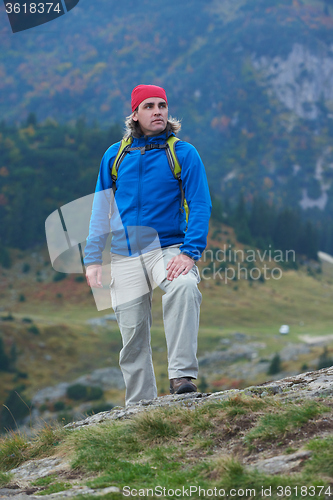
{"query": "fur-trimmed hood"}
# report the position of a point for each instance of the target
(132, 128)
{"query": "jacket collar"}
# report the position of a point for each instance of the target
(157, 139)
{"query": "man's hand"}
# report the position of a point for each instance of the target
(180, 264)
(94, 276)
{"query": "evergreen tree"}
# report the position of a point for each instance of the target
(241, 223)
(308, 242)
(32, 119)
(217, 210)
(261, 222)
(275, 365)
(4, 360)
(13, 355)
(324, 360)
(5, 259)
(203, 386)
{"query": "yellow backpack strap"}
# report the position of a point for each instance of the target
(171, 141)
(122, 151)
(176, 169)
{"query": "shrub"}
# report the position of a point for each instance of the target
(26, 320)
(99, 408)
(77, 391)
(87, 393)
(80, 279)
(59, 406)
(9, 317)
(59, 276)
(94, 393)
(33, 329)
(26, 267)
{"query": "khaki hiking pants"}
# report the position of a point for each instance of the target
(132, 282)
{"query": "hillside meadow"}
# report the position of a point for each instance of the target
(45, 318)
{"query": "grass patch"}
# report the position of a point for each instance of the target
(322, 458)
(13, 451)
(100, 447)
(230, 474)
(5, 478)
(156, 426)
(242, 404)
(177, 447)
(133, 452)
(279, 423)
(55, 488)
(44, 481)
(16, 448)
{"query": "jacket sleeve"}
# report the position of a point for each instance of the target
(99, 227)
(197, 195)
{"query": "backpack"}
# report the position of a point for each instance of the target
(169, 146)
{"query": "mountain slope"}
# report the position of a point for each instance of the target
(275, 438)
(252, 81)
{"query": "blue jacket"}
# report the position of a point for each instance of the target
(148, 200)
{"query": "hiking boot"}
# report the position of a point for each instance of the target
(182, 385)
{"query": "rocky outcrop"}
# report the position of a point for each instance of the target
(310, 385)
(300, 80)
(307, 385)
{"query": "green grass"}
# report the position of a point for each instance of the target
(5, 478)
(232, 475)
(322, 458)
(278, 424)
(16, 448)
(55, 488)
(44, 481)
(177, 447)
(13, 451)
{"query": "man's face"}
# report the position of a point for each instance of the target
(152, 115)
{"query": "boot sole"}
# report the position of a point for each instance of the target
(183, 389)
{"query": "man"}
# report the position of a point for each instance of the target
(151, 244)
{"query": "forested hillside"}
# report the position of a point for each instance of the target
(252, 81)
(50, 165)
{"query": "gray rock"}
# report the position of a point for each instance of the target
(34, 469)
(281, 463)
(106, 378)
(53, 393)
(234, 353)
(304, 386)
(307, 385)
(104, 321)
(292, 351)
(300, 80)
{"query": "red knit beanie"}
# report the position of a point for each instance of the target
(142, 92)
